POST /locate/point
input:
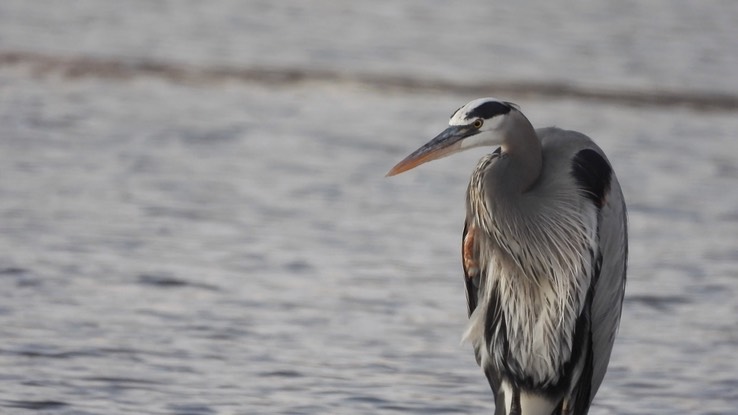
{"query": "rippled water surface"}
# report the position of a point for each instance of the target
(233, 247)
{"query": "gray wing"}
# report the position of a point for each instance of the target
(473, 282)
(601, 316)
(595, 177)
(610, 286)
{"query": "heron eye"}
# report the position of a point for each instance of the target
(478, 123)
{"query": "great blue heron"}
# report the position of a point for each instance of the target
(544, 253)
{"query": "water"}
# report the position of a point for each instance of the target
(230, 247)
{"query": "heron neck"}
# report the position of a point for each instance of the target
(522, 159)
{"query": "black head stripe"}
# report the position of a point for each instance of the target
(512, 105)
(488, 110)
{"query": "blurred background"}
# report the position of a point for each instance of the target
(194, 217)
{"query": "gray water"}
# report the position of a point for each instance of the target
(227, 247)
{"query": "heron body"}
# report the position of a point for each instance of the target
(544, 253)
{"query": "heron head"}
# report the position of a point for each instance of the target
(482, 122)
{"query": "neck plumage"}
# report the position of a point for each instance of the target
(501, 194)
(521, 159)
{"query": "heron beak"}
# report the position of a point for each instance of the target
(446, 143)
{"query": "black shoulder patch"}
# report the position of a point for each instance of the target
(593, 174)
(488, 110)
